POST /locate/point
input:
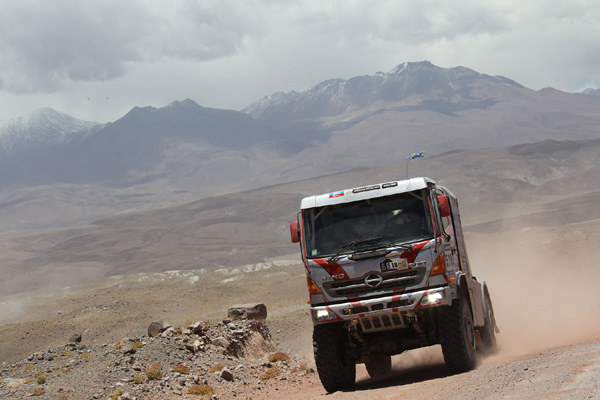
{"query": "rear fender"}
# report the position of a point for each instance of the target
(486, 295)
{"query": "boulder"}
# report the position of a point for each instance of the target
(75, 338)
(126, 346)
(170, 331)
(157, 327)
(197, 328)
(227, 374)
(221, 342)
(194, 347)
(256, 311)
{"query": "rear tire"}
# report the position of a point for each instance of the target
(330, 345)
(379, 365)
(488, 332)
(457, 336)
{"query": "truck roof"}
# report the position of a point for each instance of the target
(365, 192)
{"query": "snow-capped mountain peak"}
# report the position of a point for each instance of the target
(412, 81)
(592, 92)
(42, 127)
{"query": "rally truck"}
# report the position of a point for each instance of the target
(387, 271)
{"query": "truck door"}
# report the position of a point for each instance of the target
(463, 259)
(449, 246)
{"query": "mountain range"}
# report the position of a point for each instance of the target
(56, 171)
(176, 212)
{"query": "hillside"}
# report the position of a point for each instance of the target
(545, 184)
(530, 223)
(172, 155)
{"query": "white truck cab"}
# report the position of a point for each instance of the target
(387, 271)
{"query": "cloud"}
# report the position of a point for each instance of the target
(45, 45)
(206, 30)
(229, 53)
(411, 23)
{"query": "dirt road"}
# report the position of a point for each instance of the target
(566, 372)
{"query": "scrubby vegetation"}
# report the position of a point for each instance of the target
(270, 373)
(116, 394)
(216, 368)
(279, 356)
(138, 378)
(154, 372)
(182, 369)
(300, 368)
(41, 379)
(201, 390)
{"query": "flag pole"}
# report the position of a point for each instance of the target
(412, 157)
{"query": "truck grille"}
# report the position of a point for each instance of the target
(391, 281)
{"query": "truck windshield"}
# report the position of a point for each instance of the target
(396, 219)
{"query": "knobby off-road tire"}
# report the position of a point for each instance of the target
(457, 336)
(379, 365)
(336, 371)
(488, 332)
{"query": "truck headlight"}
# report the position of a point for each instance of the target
(433, 298)
(324, 315)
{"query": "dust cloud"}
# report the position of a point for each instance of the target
(544, 288)
(11, 309)
(543, 283)
(419, 357)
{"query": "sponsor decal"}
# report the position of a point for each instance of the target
(335, 270)
(336, 194)
(366, 189)
(334, 277)
(410, 255)
(418, 264)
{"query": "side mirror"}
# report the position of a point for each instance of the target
(444, 206)
(295, 232)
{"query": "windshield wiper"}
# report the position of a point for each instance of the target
(376, 242)
(352, 245)
(396, 246)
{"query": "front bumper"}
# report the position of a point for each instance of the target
(383, 312)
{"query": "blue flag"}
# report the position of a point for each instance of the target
(416, 155)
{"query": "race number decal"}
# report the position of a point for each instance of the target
(393, 264)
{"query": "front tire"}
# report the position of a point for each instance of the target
(330, 345)
(379, 365)
(457, 336)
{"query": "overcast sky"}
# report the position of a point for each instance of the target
(97, 59)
